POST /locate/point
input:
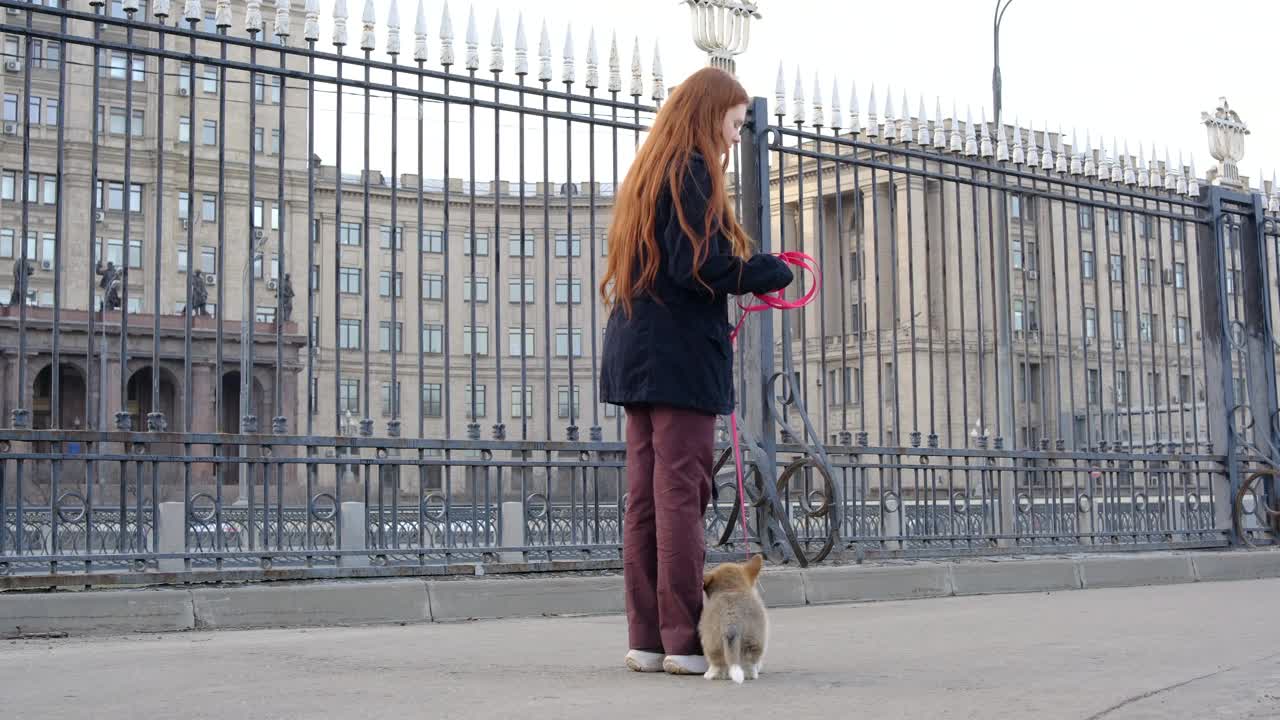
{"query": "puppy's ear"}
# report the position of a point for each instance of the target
(707, 581)
(753, 568)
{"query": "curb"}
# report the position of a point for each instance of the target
(420, 600)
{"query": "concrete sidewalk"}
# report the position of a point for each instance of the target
(418, 600)
(1197, 651)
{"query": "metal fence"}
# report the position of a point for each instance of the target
(1021, 344)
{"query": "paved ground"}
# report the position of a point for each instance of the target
(1203, 651)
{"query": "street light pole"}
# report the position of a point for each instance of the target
(1001, 6)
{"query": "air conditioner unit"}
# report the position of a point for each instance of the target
(1168, 277)
(46, 265)
(184, 222)
(257, 234)
(182, 91)
(12, 66)
(10, 128)
(272, 285)
(1119, 344)
(99, 216)
(1033, 275)
(210, 279)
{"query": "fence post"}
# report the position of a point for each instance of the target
(173, 536)
(756, 338)
(354, 529)
(1215, 321)
(513, 535)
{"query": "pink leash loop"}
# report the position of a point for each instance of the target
(775, 300)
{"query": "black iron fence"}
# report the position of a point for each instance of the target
(1020, 342)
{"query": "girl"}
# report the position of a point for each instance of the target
(676, 253)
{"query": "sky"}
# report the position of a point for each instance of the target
(1138, 71)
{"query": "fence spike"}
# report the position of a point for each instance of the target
(797, 110)
(855, 122)
(252, 16)
(132, 6)
(1002, 143)
(472, 42)
(906, 131)
(1180, 186)
(1090, 167)
(957, 138)
(339, 23)
(420, 34)
(1077, 155)
(1063, 161)
(1117, 167)
(194, 11)
(1193, 182)
(1104, 160)
(780, 93)
(984, 147)
(1019, 150)
(939, 131)
(368, 26)
(1170, 173)
(659, 89)
(922, 125)
(544, 54)
(1273, 205)
(522, 47)
(447, 58)
(284, 17)
(569, 73)
(890, 122)
(593, 61)
(1033, 150)
(637, 72)
(222, 14)
(161, 9)
(393, 29)
(497, 60)
(615, 65)
(971, 147)
(1126, 161)
(1157, 180)
(835, 105)
(873, 122)
(818, 119)
(1144, 175)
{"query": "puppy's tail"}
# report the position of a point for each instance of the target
(733, 653)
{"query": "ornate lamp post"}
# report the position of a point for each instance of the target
(722, 29)
(1226, 142)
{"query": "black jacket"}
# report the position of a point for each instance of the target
(674, 349)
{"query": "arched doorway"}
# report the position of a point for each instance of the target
(140, 402)
(229, 421)
(70, 413)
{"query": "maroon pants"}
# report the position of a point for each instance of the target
(669, 459)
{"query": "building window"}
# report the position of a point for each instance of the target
(258, 136)
(1117, 268)
(184, 129)
(432, 241)
(391, 399)
(1184, 389)
(565, 290)
(568, 401)
(384, 237)
(349, 280)
(265, 314)
(184, 258)
(384, 336)
(1093, 386)
(564, 247)
(7, 238)
(209, 207)
(520, 249)
(350, 234)
(349, 334)
(432, 405)
(432, 287)
(384, 284)
(275, 142)
(514, 346)
(210, 80)
(513, 290)
(475, 341)
(1090, 323)
(562, 342)
(481, 290)
(1146, 226)
(1113, 222)
(476, 402)
(1146, 271)
(479, 242)
(1021, 208)
(1122, 387)
(1182, 330)
(9, 186)
(1147, 327)
(1087, 266)
(1117, 325)
(433, 339)
(184, 205)
(522, 401)
(1178, 232)
(209, 132)
(349, 396)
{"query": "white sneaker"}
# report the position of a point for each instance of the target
(644, 662)
(685, 664)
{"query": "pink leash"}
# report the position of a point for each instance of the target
(777, 301)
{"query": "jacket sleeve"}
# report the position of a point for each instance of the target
(723, 272)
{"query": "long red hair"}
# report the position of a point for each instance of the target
(689, 122)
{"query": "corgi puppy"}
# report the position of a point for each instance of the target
(734, 628)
